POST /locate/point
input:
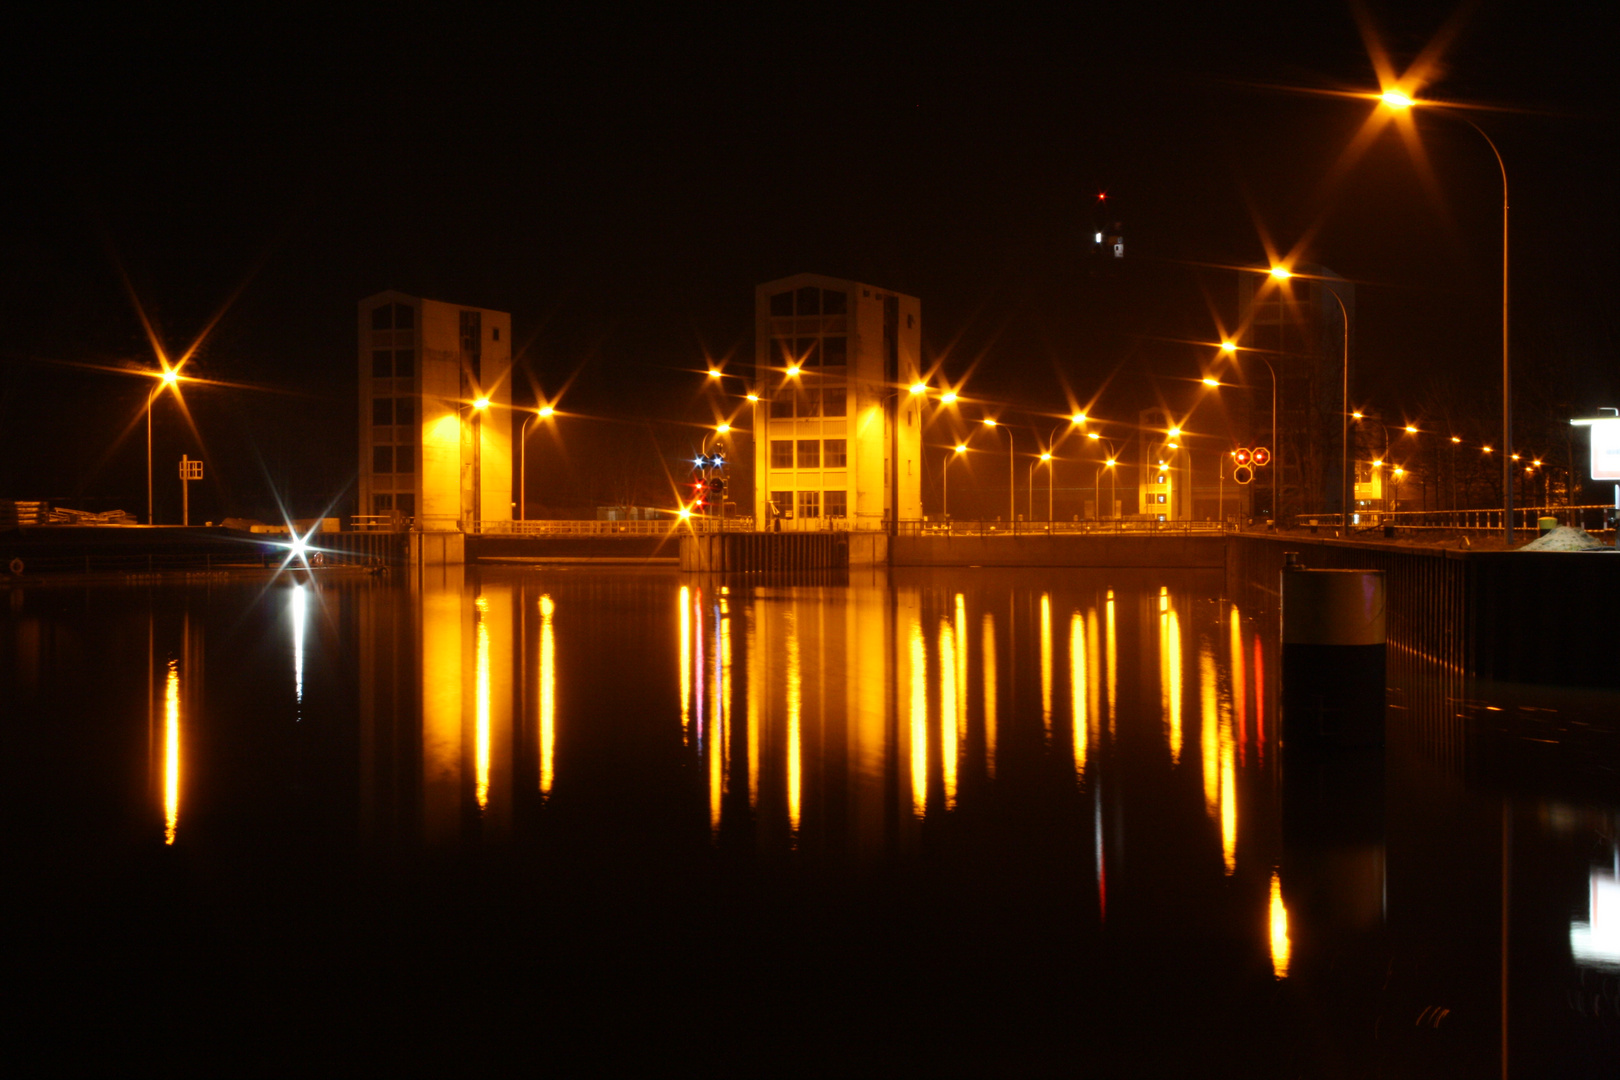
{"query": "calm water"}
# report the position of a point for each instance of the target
(967, 822)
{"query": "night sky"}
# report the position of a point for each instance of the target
(621, 180)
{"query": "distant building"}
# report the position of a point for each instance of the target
(428, 454)
(838, 435)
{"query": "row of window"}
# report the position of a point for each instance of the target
(809, 403)
(404, 502)
(393, 317)
(387, 410)
(810, 301)
(393, 459)
(810, 504)
(832, 350)
(393, 363)
(811, 453)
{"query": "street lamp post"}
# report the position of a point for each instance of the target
(945, 481)
(1400, 102)
(167, 378)
(1012, 478)
(1230, 348)
(544, 412)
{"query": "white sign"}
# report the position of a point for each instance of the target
(1606, 449)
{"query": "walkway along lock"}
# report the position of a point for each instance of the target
(1333, 638)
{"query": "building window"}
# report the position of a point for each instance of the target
(382, 410)
(808, 350)
(833, 302)
(781, 453)
(782, 304)
(833, 401)
(404, 410)
(809, 454)
(835, 351)
(404, 317)
(494, 333)
(809, 301)
(836, 457)
(382, 363)
(837, 504)
(472, 343)
(809, 403)
(405, 458)
(405, 503)
(1160, 499)
(404, 363)
(382, 459)
(382, 317)
(809, 504)
(782, 405)
(382, 504)
(782, 501)
(783, 350)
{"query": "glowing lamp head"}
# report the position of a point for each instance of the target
(1046, 455)
(481, 403)
(1175, 433)
(1210, 381)
(1229, 347)
(753, 397)
(1410, 430)
(1281, 273)
(988, 422)
(1093, 436)
(1485, 449)
(1379, 464)
(948, 397)
(1456, 439)
(793, 371)
(685, 512)
(1109, 463)
(714, 373)
(546, 410)
(1399, 471)
(297, 548)
(919, 388)
(171, 376)
(1396, 100)
(961, 448)
(722, 428)
(1356, 415)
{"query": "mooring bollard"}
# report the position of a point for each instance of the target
(1332, 656)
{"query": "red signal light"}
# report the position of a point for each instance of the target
(1242, 455)
(1243, 474)
(1262, 456)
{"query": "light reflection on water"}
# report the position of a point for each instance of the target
(873, 722)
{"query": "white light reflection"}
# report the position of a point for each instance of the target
(299, 609)
(1281, 947)
(1046, 664)
(917, 654)
(686, 659)
(795, 764)
(1596, 942)
(1077, 690)
(990, 695)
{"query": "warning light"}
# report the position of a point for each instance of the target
(1242, 455)
(1262, 456)
(1243, 474)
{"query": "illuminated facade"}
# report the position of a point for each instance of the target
(428, 455)
(835, 439)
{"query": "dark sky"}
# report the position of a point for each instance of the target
(621, 180)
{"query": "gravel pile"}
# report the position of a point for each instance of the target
(1565, 538)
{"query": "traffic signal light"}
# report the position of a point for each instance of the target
(1243, 474)
(717, 486)
(1262, 456)
(1242, 455)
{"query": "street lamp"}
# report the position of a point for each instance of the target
(1400, 102)
(167, 379)
(1046, 459)
(1282, 273)
(544, 412)
(945, 483)
(1012, 482)
(1230, 348)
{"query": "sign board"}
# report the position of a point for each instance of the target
(1606, 449)
(190, 469)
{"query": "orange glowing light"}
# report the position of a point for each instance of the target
(794, 370)
(961, 447)
(1456, 439)
(1228, 347)
(1046, 456)
(1211, 382)
(546, 410)
(481, 403)
(1355, 415)
(919, 388)
(714, 373)
(753, 397)
(948, 397)
(1078, 418)
(989, 422)
(1396, 100)
(1281, 273)
(1410, 430)
(1093, 436)
(722, 428)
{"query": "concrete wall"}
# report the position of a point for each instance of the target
(1190, 552)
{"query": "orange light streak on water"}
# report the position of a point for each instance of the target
(548, 694)
(1077, 690)
(961, 640)
(795, 762)
(686, 659)
(1170, 673)
(756, 676)
(989, 654)
(947, 711)
(917, 654)
(1281, 947)
(481, 705)
(1208, 729)
(1046, 664)
(171, 753)
(1113, 663)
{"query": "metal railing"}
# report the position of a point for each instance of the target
(1593, 518)
(1106, 527)
(666, 527)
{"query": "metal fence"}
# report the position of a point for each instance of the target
(666, 527)
(1591, 518)
(1113, 527)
